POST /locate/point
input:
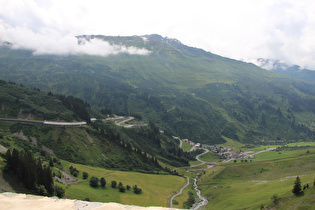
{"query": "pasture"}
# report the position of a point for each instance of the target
(251, 185)
(156, 189)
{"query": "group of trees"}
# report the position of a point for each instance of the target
(297, 188)
(74, 171)
(96, 182)
(297, 191)
(31, 172)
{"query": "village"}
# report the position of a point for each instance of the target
(221, 152)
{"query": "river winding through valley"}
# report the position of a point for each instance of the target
(202, 200)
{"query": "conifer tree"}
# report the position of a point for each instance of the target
(297, 189)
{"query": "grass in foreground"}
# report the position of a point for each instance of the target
(156, 189)
(251, 185)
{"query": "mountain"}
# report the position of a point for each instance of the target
(98, 143)
(294, 71)
(186, 91)
(24, 103)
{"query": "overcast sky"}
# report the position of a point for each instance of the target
(240, 29)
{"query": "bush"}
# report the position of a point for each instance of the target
(94, 181)
(122, 188)
(85, 175)
(59, 191)
(103, 182)
(114, 184)
(41, 190)
(136, 189)
(74, 171)
(275, 199)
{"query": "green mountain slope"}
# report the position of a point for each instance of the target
(20, 102)
(98, 143)
(186, 91)
(252, 185)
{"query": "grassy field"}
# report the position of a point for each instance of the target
(251, 185)
(274, 155)
(209, 157)
(260, 148)
(184, 196)
(251, 195)
(301, 144)
(186, 146)
(236, 145)
(156, 189)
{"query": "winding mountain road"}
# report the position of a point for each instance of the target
(48, 123)
(180, 192)
(180, 143)
(202, 200)
(123, 121)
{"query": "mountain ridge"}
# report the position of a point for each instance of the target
(187, 91)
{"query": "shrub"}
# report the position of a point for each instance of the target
(59, 191)
(85, 175)
(122, 188)
(94, 181)
(114, 184)
(103, 182)
(74, 171)
(136, 189)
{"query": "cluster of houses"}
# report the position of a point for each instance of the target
(222, 152)
(227, 153)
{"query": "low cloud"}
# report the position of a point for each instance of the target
(52, 42)
(280, 30)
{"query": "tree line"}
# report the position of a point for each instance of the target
(96, 182)
(35, 176)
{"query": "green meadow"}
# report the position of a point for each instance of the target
(186, 146)
(251, 185)
(209, 157)
(179, 200)
(301, 144)
(230, 143)
(156, 189)
(273, 155)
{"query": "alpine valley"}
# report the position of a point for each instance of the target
(189, 92)
(141, 107)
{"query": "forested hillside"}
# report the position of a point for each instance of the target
(98, 143)
(185, 91)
